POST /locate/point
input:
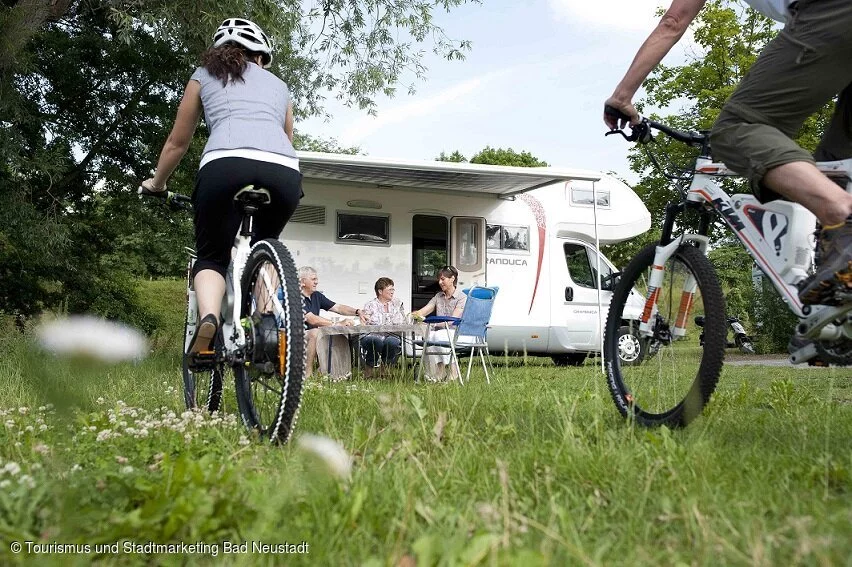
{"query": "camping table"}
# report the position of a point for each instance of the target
(359, 330)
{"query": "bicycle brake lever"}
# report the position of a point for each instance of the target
(617, 131)
(641, 133)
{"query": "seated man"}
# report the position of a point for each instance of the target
(383, 310)
(314, 301)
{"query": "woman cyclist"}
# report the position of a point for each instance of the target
(249, 114)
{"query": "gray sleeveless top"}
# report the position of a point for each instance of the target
(246, 114)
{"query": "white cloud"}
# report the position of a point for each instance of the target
(364, 126)
(615, 15)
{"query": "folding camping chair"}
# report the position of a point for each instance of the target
(465, 334)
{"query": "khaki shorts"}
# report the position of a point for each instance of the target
(804, 67)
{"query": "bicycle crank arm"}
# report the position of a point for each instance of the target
(804, 354)
(821, 323)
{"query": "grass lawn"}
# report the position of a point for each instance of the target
(536, 469)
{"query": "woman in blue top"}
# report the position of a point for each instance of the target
(249, 114)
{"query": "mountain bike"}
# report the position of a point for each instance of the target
(675, 281)
(261, 340)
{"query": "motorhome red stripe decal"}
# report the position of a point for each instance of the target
(540, 220)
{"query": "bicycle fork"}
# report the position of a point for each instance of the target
(647, 320)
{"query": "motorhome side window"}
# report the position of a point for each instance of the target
(507, 237)
(580, 196)
(363, 229)
(582, 265)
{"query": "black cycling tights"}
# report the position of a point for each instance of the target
(216, 217)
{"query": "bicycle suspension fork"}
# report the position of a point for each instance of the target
(665, 250)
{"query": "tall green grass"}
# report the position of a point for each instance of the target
(536, 469)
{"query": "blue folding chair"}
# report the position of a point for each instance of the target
(468, 332)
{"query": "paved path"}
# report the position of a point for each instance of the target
(764, 360)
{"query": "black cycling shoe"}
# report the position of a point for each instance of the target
(203, 343)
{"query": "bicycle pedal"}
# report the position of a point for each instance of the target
(200, 361)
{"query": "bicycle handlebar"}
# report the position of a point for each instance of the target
(641, 132)
(175, 201)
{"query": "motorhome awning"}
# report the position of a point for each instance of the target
(437, 176)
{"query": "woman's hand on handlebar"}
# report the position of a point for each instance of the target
(148, 187)
(619, 113)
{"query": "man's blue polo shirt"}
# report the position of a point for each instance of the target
(315, 302)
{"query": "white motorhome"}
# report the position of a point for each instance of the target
(530, 231)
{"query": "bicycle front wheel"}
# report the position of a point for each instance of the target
(269, 384)
(664, 376)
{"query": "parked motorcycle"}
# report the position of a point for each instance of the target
(741, 340)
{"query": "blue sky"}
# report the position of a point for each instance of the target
(535, 80)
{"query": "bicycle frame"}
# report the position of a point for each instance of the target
(768, 235)
(233, 335)
(233, 332)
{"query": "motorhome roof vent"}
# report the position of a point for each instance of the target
(309, 214)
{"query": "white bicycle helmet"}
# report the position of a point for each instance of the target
(245, 33)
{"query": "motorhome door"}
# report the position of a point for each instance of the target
(429, 238)
(467, 249)
(579, 321)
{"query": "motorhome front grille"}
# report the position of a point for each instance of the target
(309, 214)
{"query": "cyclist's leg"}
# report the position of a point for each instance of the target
(216, 223)
(836, 142)
(798, 72)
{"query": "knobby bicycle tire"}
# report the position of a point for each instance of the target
(641, 391)
(202, 388)
(269, 384)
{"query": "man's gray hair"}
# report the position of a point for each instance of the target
(306, 272)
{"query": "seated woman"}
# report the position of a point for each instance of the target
(449, 302)
(383, 310)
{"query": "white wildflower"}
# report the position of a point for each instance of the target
(243, 440)
(86, 335)
(5, 482)
(121, 460)
(41, 449)
(127, 470)
(101, 400)
(12, 468)
(23, 411)
(27, 481)
(331, 452)
(104, 435)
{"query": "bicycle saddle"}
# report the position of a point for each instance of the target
(253, 195)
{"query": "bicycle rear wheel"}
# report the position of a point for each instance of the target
(202, 386)
(674, 378)
(269, 384)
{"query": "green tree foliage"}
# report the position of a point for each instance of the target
(314, 144)
(499, 156)
(88, 92)
(456, 157)
(496, 156)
